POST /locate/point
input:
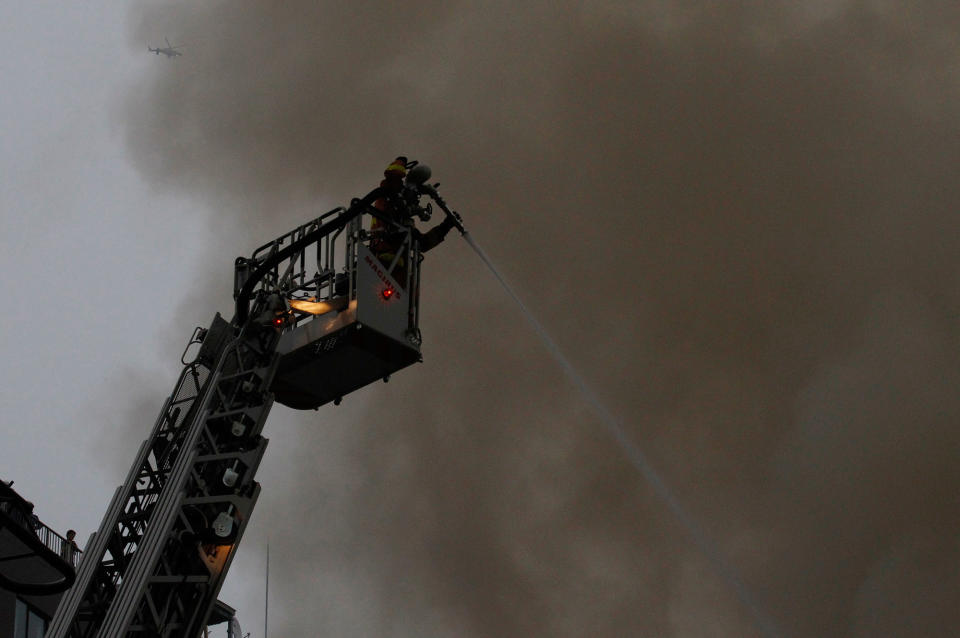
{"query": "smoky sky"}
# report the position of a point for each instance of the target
(738, 220)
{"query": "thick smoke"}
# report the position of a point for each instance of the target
(737, 218)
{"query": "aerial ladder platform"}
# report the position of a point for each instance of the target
(321, 311)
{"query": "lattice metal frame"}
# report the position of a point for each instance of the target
(156, 564)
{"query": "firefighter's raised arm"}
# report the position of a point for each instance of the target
(435, 235)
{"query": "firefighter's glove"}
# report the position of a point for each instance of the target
(448, 223)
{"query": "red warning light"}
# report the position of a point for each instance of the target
(278, 322)
(387, 293)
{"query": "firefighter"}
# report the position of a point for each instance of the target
(398, 206)
(393, 177)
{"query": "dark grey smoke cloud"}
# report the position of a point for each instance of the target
(739, 219)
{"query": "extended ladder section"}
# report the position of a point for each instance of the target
(156, 564)
(321, 311)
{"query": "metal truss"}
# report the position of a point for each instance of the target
(158, 561)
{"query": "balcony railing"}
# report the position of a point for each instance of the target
(19, 511)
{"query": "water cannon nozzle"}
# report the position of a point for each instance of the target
(419, 174)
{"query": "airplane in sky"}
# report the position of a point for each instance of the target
(169, 51)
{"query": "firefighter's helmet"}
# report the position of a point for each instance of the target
(397, 168)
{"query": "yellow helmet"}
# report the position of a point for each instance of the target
(397, 168)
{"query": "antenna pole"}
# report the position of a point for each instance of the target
(266, 595)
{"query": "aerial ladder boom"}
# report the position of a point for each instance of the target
(318, 315)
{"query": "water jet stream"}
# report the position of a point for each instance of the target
(639, 460)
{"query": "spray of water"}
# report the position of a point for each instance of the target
(639, 460)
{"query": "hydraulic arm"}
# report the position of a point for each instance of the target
(319, 314)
